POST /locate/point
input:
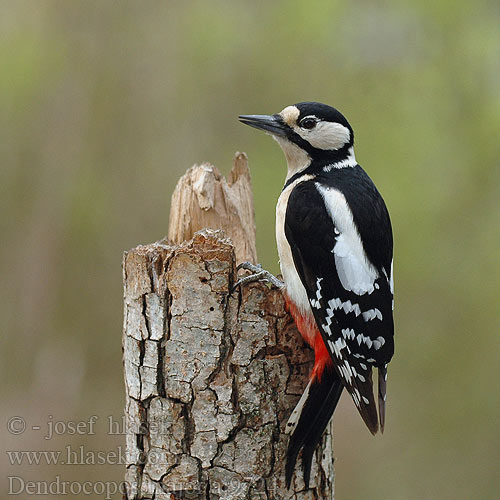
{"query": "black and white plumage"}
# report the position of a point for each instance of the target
(335, 244)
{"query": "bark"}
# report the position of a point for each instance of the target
(211, 379)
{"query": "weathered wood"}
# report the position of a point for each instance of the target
(203, 198)
(211, 379)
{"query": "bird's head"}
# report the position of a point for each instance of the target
(308, 131)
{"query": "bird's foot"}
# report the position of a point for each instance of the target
(258, 274)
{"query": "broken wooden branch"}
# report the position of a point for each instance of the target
(203, 198)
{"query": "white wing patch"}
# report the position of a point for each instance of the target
(337, 346)
(347, 306)
(348, 333)
(355, 271)
(316, 302)
(372, 314)
(377, 343)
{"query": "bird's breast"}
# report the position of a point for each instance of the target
(293, 284)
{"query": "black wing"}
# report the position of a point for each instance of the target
(351, 297)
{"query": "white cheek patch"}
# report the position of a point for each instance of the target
(290, 115)
(326, 135)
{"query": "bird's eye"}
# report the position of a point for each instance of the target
(308, 123)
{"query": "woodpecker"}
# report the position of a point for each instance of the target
(335, 245)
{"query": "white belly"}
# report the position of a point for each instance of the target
(293, 286)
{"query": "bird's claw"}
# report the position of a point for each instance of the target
(255, 268)
(259, 274)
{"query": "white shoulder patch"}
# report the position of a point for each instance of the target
(355, 271)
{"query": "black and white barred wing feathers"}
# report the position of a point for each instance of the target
(346, 269)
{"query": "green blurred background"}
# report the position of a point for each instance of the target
(103, 105)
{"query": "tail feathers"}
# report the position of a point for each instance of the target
(309, 420)
(382, 390)
(293, 421)
(320, 424)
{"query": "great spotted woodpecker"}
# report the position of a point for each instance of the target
(335, 245)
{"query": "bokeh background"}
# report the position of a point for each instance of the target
(105, 104)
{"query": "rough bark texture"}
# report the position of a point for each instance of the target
(204, 199)
(211, 379)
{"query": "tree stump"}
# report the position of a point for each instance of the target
(211, 379)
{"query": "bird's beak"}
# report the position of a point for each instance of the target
(270, 123)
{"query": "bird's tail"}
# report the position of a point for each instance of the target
(310, 418)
